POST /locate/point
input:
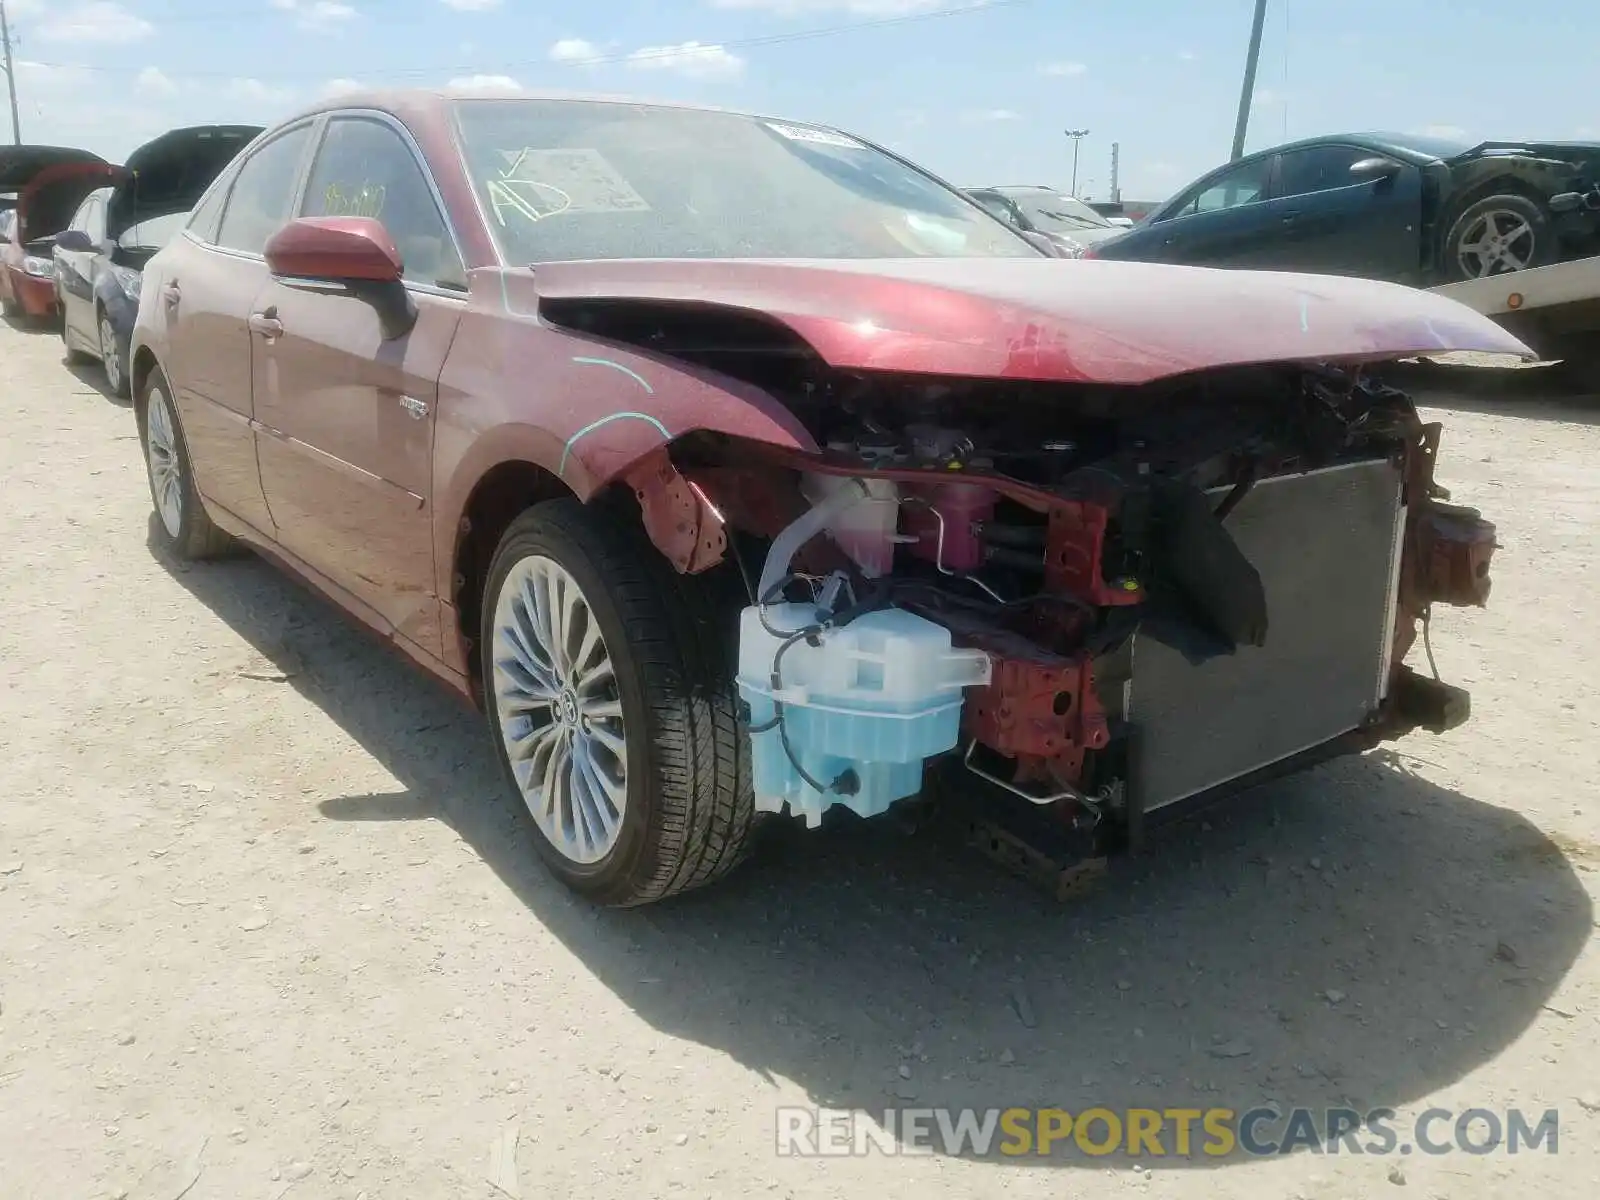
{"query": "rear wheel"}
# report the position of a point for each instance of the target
(1499, 235)
(183, 527)
(608, 682)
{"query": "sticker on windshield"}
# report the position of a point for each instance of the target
(536, 184)
(817, 137)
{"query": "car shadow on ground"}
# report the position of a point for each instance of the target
(1353, 937)
(93, 376)
(26, 324)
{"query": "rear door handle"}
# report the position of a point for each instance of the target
(171, 295)
(266, 324)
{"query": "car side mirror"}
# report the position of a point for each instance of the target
(1374, 169)
(75, 241)
(1565, 202)
(355, 251)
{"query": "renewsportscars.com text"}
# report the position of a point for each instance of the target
(1147, 1134)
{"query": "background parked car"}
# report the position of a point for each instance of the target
(49, 182)
(100, 256)
(1411, 210)
(1070, 224)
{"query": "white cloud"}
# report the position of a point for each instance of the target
(1062, 69)
(341, 87)
(574, 50)
(471, 5)
(988, 115)
(97, 21)
(695, 60)
(486, 83)
(316, 14)
(253, 91)
(152, 82)
(860, 8)
(1187, 55)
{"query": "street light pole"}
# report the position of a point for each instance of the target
(11, 74)
(1077, 136)
(1247, 94)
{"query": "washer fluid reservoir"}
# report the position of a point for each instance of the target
(861, 710)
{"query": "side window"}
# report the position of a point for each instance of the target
(263, 193)
(365, 169)
(1318, 169)
(96, 226)
(1243, 185)
(81, 218)
(203, 221)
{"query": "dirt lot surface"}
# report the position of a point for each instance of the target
(267, 928)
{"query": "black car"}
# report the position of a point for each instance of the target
(99, 257)
(1414, 210)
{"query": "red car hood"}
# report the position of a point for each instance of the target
(1050, 319)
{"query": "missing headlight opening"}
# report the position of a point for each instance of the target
(1087, 606)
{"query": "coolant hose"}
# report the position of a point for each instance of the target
(800, 531)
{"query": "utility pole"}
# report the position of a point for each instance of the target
(11, 74)
(1247, 94)
(1116, 187)
(1077, 135)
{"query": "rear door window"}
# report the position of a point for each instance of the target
(262, 199)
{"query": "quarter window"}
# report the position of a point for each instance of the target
(365, 169)
(203, 221)
(263, 193)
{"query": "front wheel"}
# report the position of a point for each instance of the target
(183, 527)
(111, 357)
(1498, 235)
(609, 689)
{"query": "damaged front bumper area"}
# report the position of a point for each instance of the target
(1092, 613)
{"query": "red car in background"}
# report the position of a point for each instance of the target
(538, 388)
(50, 182)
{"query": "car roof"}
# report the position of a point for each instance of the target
(400, 101)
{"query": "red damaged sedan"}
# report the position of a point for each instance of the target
(737, 467)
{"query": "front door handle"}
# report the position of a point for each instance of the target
(171, 295)
(266, 324)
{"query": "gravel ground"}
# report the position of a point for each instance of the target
(267, 929)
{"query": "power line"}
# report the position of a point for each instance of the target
(636, 56)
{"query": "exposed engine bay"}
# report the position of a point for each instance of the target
(1098, 601)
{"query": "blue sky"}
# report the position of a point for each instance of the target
(980, 97)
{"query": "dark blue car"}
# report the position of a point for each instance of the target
(1413, 210)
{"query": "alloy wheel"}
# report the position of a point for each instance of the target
(108, 354)
(1498, 242)
(559, 710)
(161, 453)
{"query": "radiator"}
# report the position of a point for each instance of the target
(1327, 545)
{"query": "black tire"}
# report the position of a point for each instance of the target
(10, 309)
(1537, 246)
(111, 360)
(196, 537)
(689, 814)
